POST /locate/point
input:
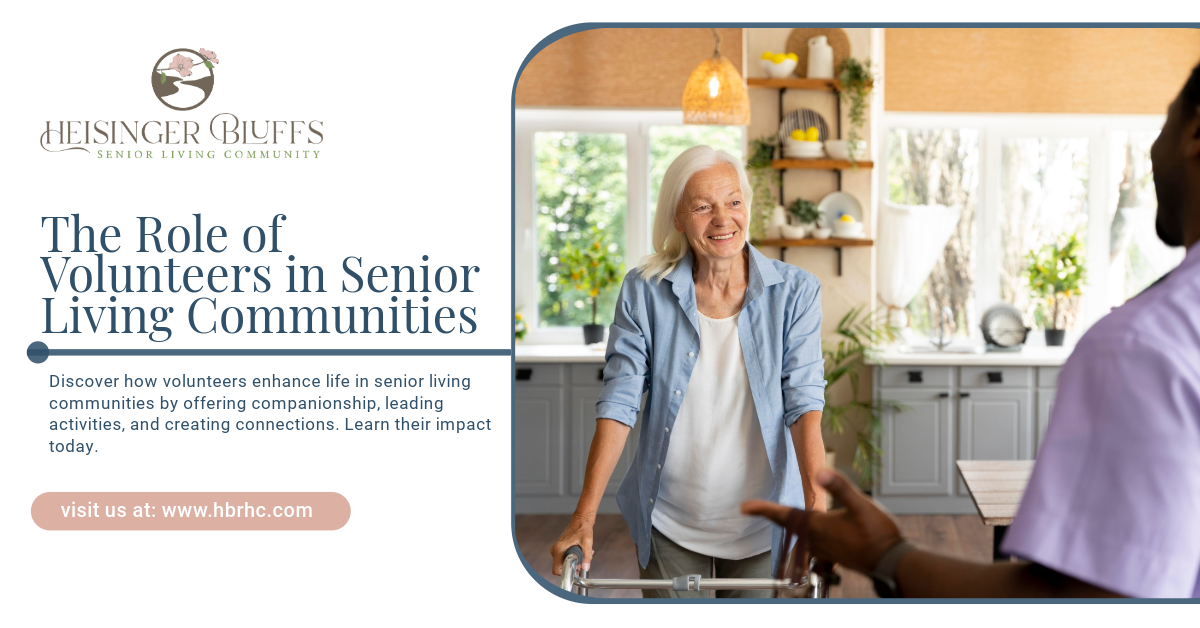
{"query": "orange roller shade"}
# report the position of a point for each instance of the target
(621, 67)
(1036, 70)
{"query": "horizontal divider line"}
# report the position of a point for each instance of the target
(280, 352)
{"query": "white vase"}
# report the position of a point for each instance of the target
(820, 58)
(778, 220)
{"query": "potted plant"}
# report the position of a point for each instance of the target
(804, 213)
(859, 335)
(1056, 275)
(589, 269)
(762, 178)
(519, 326)
(856, 80)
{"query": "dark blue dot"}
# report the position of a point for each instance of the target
(112, 299)
(37, 352)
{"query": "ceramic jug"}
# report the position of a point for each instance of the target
(820, 58)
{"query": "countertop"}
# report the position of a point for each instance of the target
(1037, 355)
(1028, 356)
(582, 354)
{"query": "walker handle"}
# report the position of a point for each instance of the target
(571, 559)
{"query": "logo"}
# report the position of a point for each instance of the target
(183, 78)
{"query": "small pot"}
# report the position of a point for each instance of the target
(1055, 337)
(593, 334)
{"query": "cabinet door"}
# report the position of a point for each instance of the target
(539, 434)
(916, 443)
(1045, 405)
(583, 429)
(994, 425)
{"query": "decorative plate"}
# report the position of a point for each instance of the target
(839, 204)
(1002, 327)
(802, 119)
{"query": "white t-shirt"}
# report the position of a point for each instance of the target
(716, 459)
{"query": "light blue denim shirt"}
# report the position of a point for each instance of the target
(653, 345)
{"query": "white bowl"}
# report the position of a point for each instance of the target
(848, 229)
(778, 70)
(802, 149)
(793, 232)
(840, 149)
(822, 233)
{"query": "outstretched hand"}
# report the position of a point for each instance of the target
(855, 535)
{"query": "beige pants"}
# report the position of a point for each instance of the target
(668, 560)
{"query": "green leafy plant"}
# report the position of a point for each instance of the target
(591, 268)
(1056, 275)
(858, 337)
(857, 80)
(805, 212)
(519, 326)
(763, 179)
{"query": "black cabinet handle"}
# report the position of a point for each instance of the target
(964, 394)
(995, 377)
(944, 395)
(916, 377)
(600, 375)
(524, 375)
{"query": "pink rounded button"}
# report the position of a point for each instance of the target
(190, 511)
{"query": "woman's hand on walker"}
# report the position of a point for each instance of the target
(578, 532)
(855, 535)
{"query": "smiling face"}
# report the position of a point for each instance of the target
(712, 214)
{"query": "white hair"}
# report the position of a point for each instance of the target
(669, 245)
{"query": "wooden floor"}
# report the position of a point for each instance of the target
(962, 536)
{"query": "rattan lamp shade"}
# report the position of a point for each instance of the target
(716, 94)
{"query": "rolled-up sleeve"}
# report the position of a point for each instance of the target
(803, 370)
(627, 359)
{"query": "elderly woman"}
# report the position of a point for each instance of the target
(725, 344)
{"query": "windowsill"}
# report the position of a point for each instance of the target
(576, 353)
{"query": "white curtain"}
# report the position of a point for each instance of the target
(911, 241)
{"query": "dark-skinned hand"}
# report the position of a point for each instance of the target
(855, 535)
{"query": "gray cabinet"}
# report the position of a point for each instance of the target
(916, 443)
(951, 413)
(994, 425)
(538, 462)
(1045, 405)
(554, 425)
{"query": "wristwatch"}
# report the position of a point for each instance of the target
(884, 574)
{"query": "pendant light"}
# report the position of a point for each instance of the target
(715, 92)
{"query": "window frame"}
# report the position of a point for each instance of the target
(635, 125)
(994, 129)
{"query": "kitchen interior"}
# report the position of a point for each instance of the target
(971, 200)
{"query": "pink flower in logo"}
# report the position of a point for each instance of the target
(210, 55)
(182, 64)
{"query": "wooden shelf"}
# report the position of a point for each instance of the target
(817, 85)
(827, 242)
(819, 164)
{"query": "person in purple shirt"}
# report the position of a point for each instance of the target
(1113, 505)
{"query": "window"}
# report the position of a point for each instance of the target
(583, 173)
(940, 166)
(1043, 198)
(1137, 258)
(1025, 181)
(581, 190)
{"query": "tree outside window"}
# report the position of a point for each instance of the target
(581, 191)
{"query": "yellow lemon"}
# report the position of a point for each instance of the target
(778, 57)
(798, 135)
(792, 56)
(767, 55)
(812, 134)
(847, 218)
